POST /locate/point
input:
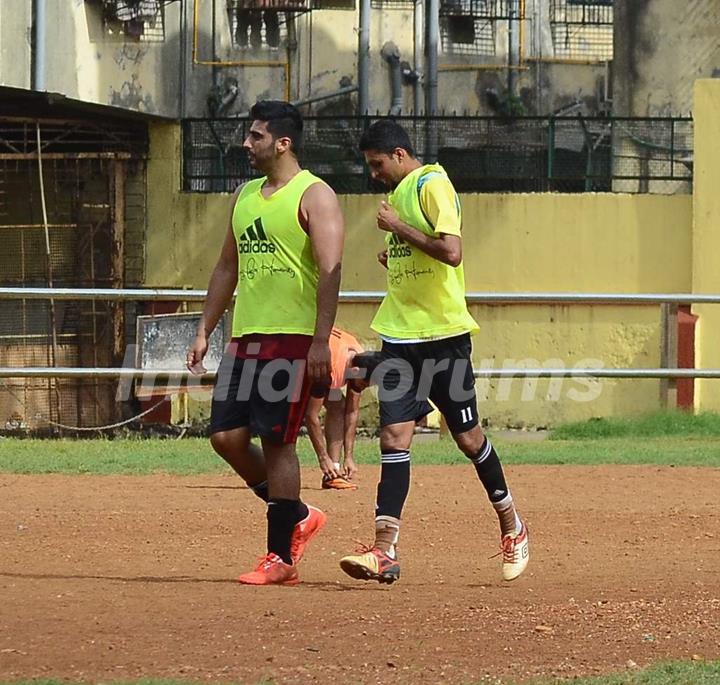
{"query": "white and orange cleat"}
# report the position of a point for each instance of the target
(515, 553)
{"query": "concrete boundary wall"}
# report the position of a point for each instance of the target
(512, 242)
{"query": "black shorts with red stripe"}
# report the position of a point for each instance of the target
(262, 385)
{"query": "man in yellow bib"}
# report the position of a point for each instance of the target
(283, 252)
(425, 329)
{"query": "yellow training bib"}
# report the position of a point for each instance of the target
(425, 298)
(277, 274)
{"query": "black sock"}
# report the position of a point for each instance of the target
(394, 483)
(282, 515)
(490, 472)
(261, 490)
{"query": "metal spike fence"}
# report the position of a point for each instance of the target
(481, 154)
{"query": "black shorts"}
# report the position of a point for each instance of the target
(268, 396)
(438, 370)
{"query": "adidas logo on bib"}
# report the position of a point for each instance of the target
(398, 247)
(255, 241)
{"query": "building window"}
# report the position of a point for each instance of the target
(262, 23)
(582, 29)
(143, 20)
(469, 27)
(393, 5)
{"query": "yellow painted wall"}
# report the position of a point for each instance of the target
(534, 242)
(706, 236)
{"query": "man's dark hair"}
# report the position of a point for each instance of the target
(385, 136)
(283, 120)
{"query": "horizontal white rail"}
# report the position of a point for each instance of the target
(174, 294)
(176, 376)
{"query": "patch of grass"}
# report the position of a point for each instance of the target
(139, 457)
(660, 452)
(677, 673)
(654, 425)
(195, 456)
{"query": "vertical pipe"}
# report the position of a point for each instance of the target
(183, 58)
(432, 27)
(213, 34)
(419, 26)
(364, 58)
(513, 47)
(291, 53)
(433, 39)
(521, 34)
(39, 30)
(391, 54)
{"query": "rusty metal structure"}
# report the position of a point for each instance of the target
(72, 214)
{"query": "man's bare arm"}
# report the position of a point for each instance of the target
(445, 248)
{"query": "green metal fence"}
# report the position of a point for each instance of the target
(481, 154)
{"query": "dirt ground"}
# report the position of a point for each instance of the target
(113, 578)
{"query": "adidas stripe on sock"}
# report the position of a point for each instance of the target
(394, 485)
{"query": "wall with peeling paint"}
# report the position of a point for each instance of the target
(92, 61)
(87, 61)
(15, 24)
(326, 57)
(661, 48)
(535, 242)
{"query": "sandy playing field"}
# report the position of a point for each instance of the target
(107, 578)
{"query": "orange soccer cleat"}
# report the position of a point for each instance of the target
(305, 531)
(272, 570)
(337, 483)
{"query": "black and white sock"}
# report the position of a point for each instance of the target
(394, 485)
(490, 472)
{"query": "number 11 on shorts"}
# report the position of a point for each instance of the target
(466, 414)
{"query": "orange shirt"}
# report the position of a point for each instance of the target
(342, 347)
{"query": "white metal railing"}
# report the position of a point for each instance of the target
(668, 372)
(172, 294)
(163, 375)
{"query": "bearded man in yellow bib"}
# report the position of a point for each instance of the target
(283, 252)
(425, 329)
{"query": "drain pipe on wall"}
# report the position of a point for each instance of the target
(39, 42)
(419, 26)
(513, 47)
(364, 58)
(391, 54)
(432, 25)
(431, 48)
